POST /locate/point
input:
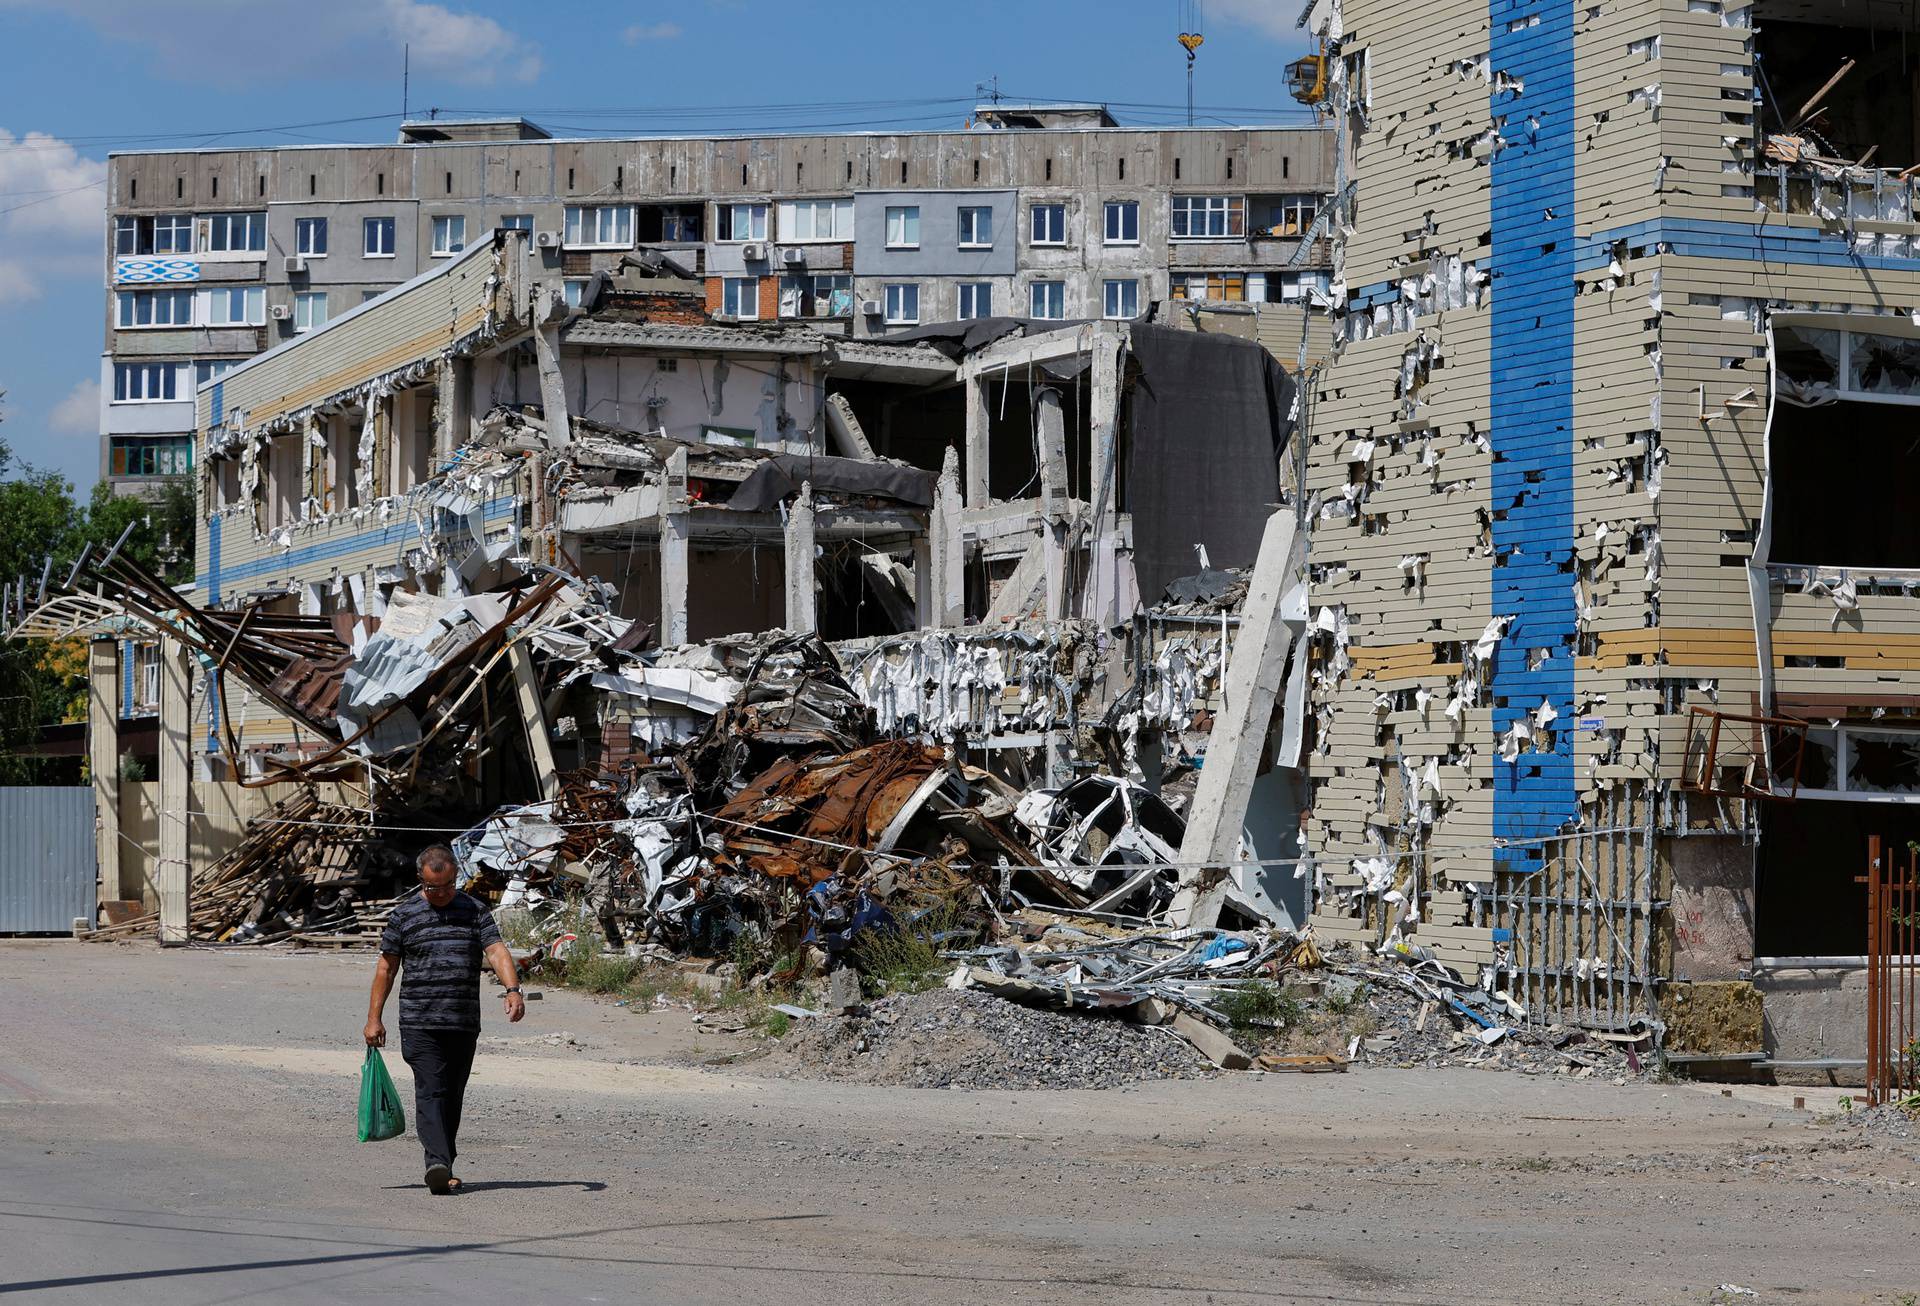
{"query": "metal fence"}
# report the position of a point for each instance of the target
(46, 859)
(1581, 930)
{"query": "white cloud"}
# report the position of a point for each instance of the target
(650, 32)
(250, 41)
(79, 412)
(53, 219)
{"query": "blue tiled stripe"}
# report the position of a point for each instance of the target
(1532, 262)
(395, 535)
(126, 678)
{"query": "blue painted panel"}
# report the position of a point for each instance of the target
(1533, 262)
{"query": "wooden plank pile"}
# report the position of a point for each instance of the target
(305, 870)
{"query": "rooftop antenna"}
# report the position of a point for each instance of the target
(406, 79)
(1190, 41)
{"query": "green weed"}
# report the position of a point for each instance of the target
(1260, 1005)
(906, 958)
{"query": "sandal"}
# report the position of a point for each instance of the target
(439, 1180)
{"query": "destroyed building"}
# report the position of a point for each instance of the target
(1612, 614)
(1571, 667)
(217, 254)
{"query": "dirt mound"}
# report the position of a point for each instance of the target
(947, 1039)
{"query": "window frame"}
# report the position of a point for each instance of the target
(516, 222)
(888, 315)
(254, 227)
(726, 217)
(250, 297)
(368, 226)
(308, 299)
(167, 372)
(787, 221)
(605, 230)
(1128, 211)
(303, 230)
(731, 290)
(967, 221)
(1306, 210)
(1178, 286)
(443, 223)
(175, 448)
(125, 321)
(811, 291)
(179, 227)
(1034, 214)
(1043, 285)
(973, 290)
(908, 215)
(1131, 292)
(208, 364)
(1231, 210)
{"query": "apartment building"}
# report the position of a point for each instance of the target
(1611, 485)
(1049, 212)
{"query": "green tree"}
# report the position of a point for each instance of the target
(42, 683)
(37, 518)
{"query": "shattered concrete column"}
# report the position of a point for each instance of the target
(923, 578)
(947, 549)
(801, 616)
(848, 439)
(533, 718)
(103, 760)
(1251, 685)
(1101, 602)
(674, 532)
(553, 388)
(974, 396)
(173, 874)
(452, 407)
(1053, 498)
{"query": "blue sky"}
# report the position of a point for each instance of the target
(84, 77)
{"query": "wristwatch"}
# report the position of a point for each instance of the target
(514, 989)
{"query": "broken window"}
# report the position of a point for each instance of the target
(1844, 466)
(669, 223)
(167, 234)
(816, 295)
(1840, 88)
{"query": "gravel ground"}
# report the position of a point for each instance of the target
(946, 1039)
(176, 1127)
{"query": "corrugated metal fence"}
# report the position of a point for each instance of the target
(46, 859)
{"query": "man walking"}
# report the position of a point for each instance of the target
(439, 938)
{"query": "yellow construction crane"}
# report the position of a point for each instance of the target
(1190, 42)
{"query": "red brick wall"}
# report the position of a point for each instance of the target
(769, 296)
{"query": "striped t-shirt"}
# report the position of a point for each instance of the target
(440, 958)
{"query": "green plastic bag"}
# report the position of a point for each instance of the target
(380, 1113)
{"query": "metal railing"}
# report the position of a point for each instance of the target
(1893, 970)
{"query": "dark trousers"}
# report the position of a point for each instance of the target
(441, 1060)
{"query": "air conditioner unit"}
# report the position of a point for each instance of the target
(753, 252)
(872, 307)
(547, 240)
(294, 263)
(280, 312)
(793, 257)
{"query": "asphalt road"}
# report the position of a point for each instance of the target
(178, 1127)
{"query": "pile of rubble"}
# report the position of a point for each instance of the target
(306, 871)
(946, 1039)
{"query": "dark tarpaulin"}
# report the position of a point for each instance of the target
(780, 478)
(1211, 415)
